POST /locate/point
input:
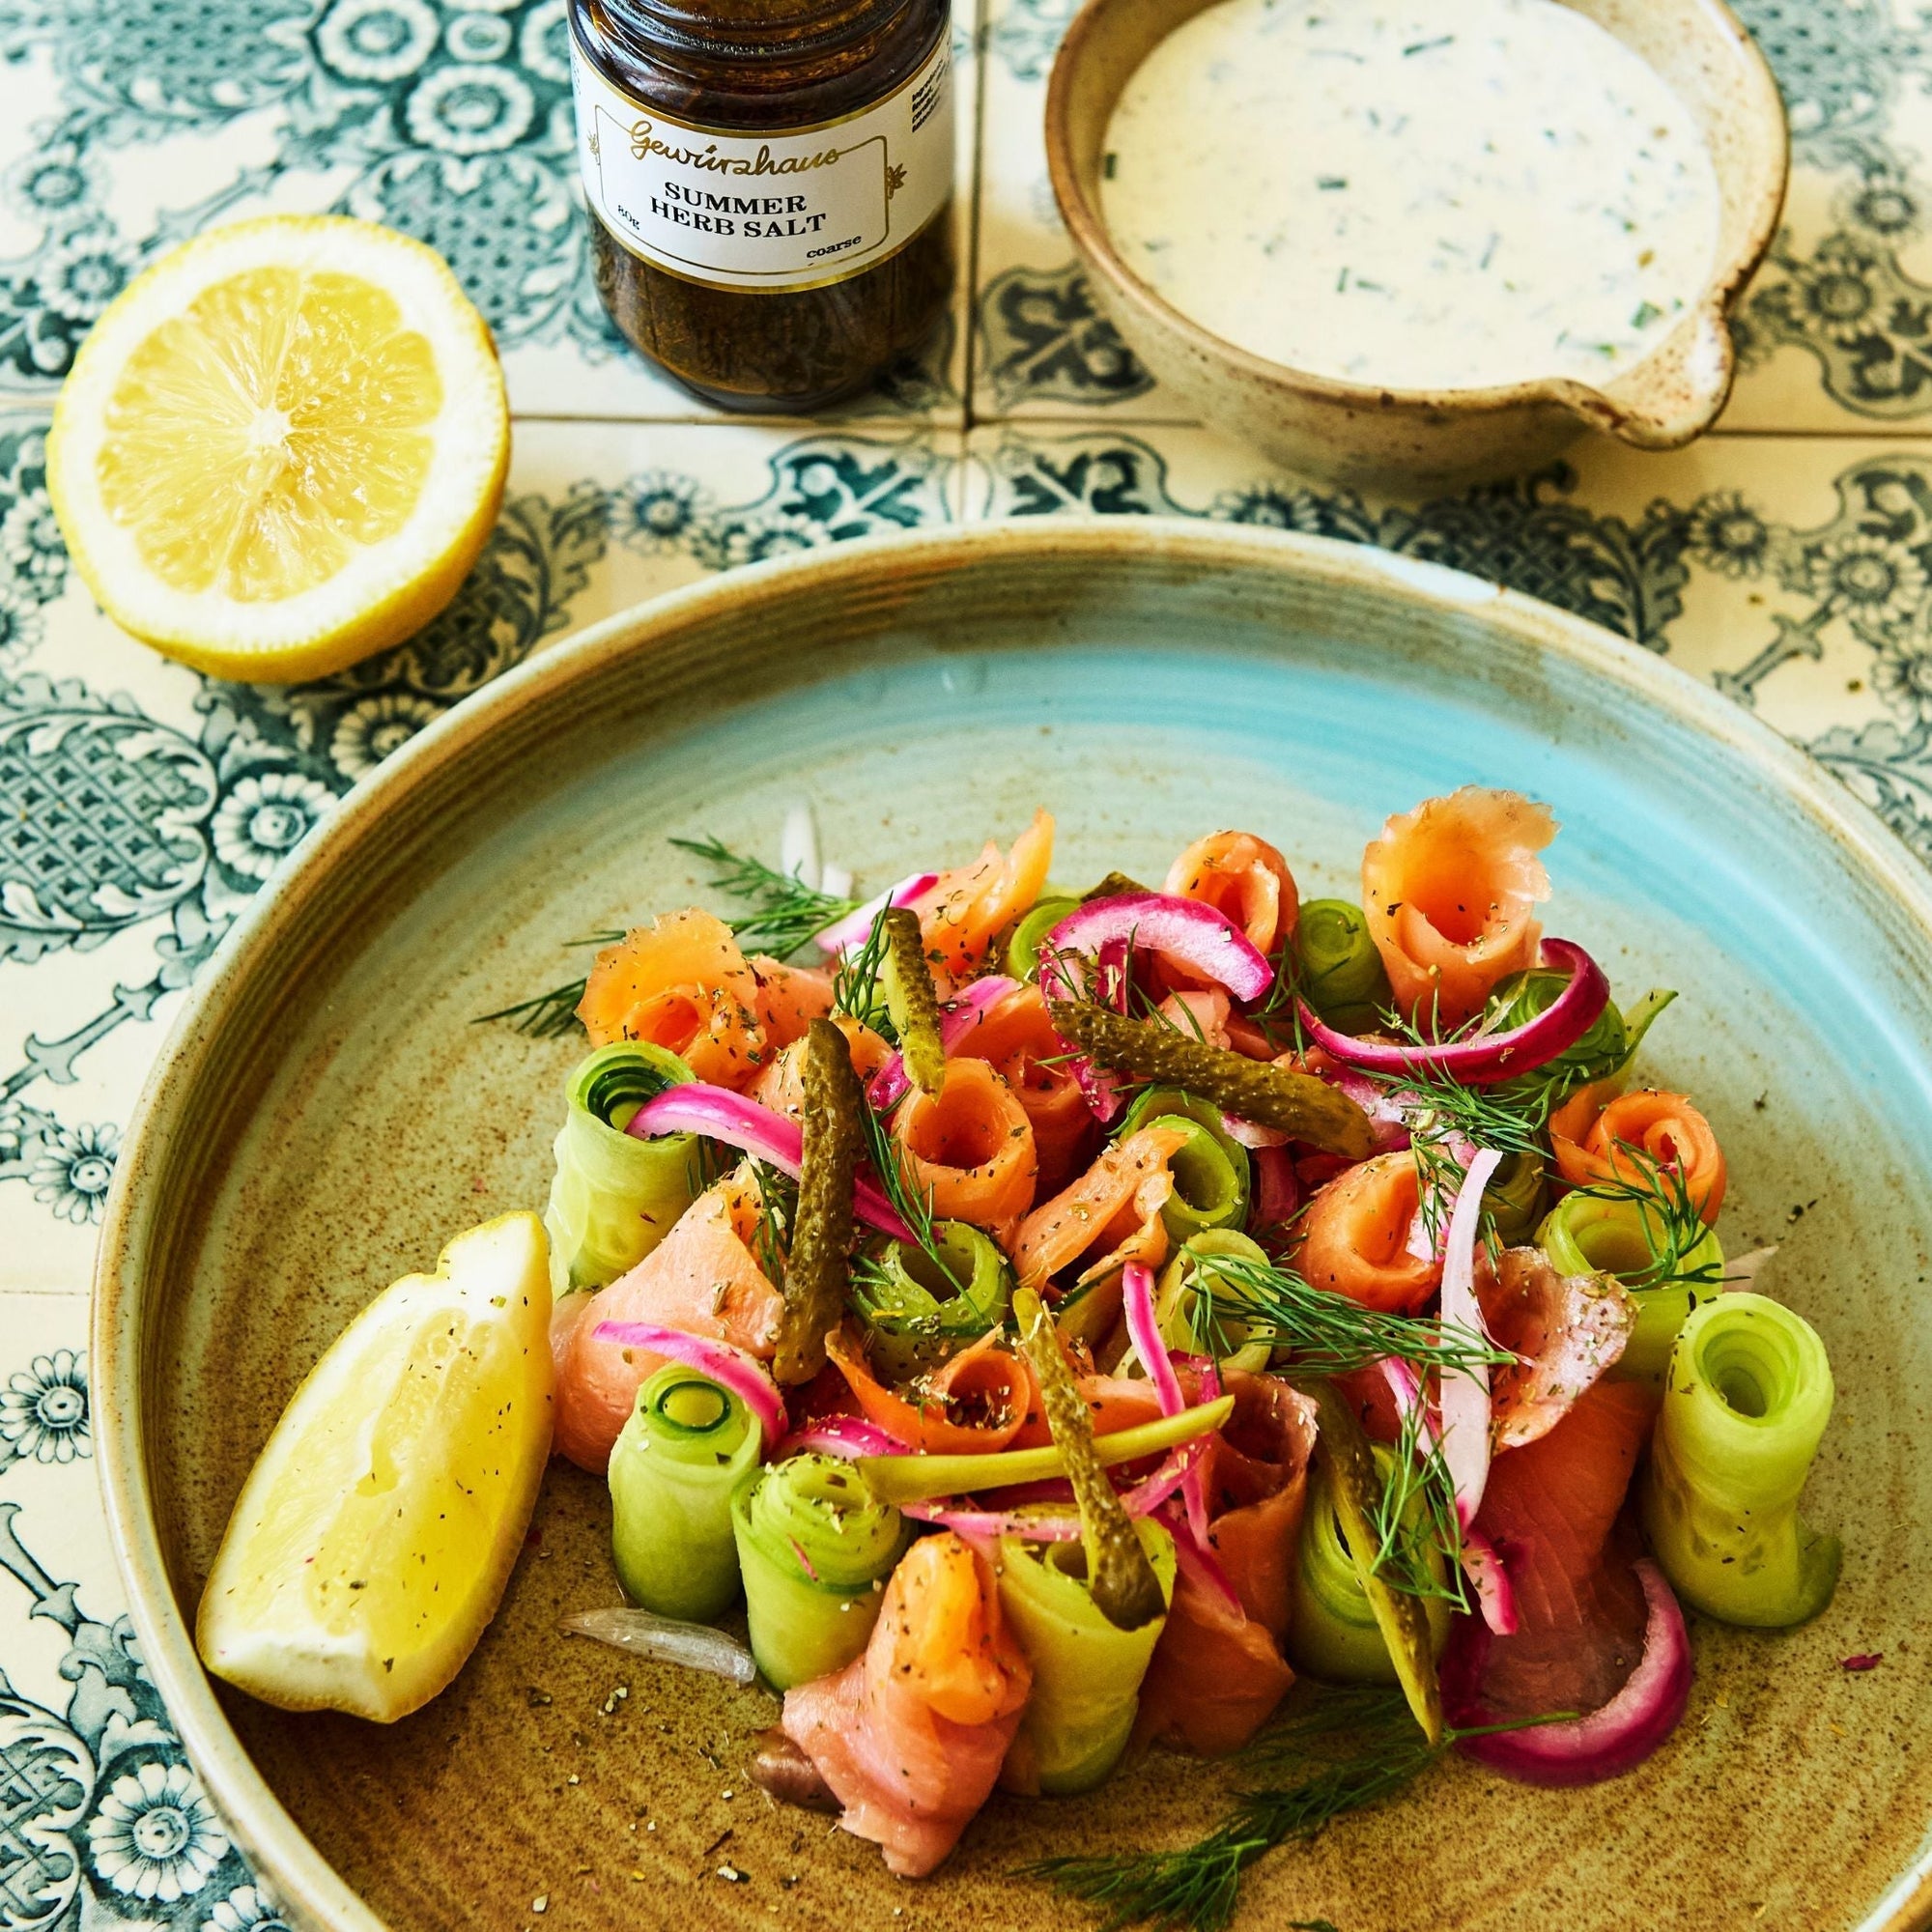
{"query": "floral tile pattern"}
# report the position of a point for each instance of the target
(142, 806)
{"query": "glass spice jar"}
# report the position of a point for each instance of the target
(770, 185)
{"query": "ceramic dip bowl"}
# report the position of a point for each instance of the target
(1362, 432)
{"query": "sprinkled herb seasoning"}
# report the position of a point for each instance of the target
(769, 184)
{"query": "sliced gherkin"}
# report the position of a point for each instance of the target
(1297, 1105)
(1355, 1484)
(1119, 1577)
(819, 1268)
(911, 1001)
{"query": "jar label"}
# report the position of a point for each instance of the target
(792, 209)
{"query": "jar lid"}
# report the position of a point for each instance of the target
(759, 30)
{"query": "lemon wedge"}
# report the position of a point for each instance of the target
(281, 447)
(377, 1530)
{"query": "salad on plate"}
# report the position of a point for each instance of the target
(1028, 1327)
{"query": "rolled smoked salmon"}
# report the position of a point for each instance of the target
(1016, 1037)
(1354, 1237)
(702, 1277)
(975, 1404)
(963, 908)
(682, 983)
(970, 1149)
(1117, 1201)
(1449, 891)
(1243, 877)
(1217, 1677)
(911, 1734)
(1666, 1127)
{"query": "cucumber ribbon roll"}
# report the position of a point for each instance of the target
(1087, 1671)
(678, 1461)
(1213, 1325)
(614, 1197)
(1747, 1400)
(814, 1549)
(1342, 973)
(1088, 1614)
(1630, 1236)
(1210, 1169)
(918, 1311)
(1334, 1634)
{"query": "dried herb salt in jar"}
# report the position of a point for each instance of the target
(769, 185)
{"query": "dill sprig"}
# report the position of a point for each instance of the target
(1415, 1519)
(1672, 1223)
(552, 1015)
(1329, 1334)
(913, 1207)
(857, 986)
(778, 1212)
(1195, 1888)
(785, 912)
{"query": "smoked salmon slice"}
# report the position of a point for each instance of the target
(1354, 1237)
(975, 1404)
(1449, 890)
(1016, 1037)
(1565, 1330)
(1665, 1127)
(680, 983)
(1216, 1674)
(1244, 877)
(1551, 1510)
(702, 1277)
(788, 998)
(970, 1149)
(780, 1084)
(1118, 1199)
(911, 1734)
(964, 907)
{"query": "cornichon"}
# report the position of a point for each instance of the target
(818, 1270)
(1114, 886)
(1120, 1579)
(1252, 1089)
(907, 1479)
(1356, 1486)
(911, 1001)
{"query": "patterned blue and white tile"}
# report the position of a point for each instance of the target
(104, 1822)
(1794, 572)
(126, 126)
(146, 805)
(1835, 334)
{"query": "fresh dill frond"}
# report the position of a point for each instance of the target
(778, 1213)
(1195, 1888)
(914, 1209)
(1415, 1520)
(1673, 1224)
(1352, 1748)
(785, 912)
(552, 1015)
(1329, 1334)
(857, 986)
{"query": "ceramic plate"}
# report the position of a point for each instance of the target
(328, 1114)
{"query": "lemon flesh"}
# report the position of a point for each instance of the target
(373, 1539)
(282, 447)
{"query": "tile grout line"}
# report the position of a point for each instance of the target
(982, 41)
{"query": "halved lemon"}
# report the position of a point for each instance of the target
(375, 1534)
(282, 447)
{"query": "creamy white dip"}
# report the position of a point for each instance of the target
(1410, 195)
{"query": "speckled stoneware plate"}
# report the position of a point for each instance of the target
(328, 1116)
